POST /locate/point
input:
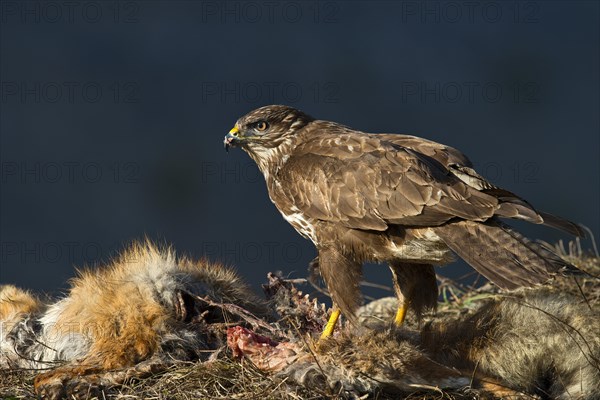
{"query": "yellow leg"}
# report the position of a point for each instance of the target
(335, 314)
(401, 314)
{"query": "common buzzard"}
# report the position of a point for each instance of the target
(410, 202)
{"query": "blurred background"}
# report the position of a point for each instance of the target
(113, 115)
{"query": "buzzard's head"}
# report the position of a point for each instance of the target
(265, 128)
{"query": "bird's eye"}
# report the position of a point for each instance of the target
(261, 126)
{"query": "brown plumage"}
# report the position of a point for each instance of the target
(391, 198)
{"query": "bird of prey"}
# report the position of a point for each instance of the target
(410, 202)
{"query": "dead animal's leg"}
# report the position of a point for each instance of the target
(416, 288)
(79, 381)
(86, 381)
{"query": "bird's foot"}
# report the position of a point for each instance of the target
(328, 331)
(400, 315)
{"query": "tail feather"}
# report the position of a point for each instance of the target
(501, 254)
(562, 224)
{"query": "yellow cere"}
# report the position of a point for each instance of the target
(233, 130)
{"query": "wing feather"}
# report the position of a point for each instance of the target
(511, 205)
(375, 184)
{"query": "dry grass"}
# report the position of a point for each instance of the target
(218, 380)
(226, 378)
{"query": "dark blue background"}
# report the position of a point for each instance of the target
(113, 115)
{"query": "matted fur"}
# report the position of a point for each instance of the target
(542, 342)
(534, 343)
(144, 307)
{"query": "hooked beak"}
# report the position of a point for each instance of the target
(231, 138)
